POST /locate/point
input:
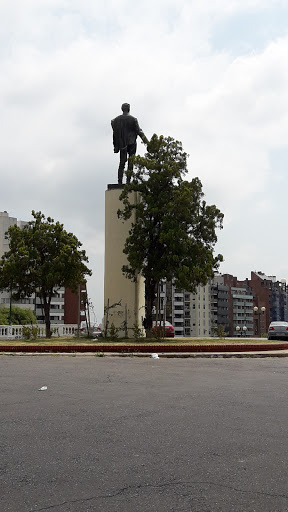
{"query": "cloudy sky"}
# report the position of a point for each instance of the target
(213, 74)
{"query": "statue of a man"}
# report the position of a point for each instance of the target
(125, 130)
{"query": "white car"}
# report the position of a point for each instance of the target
(278, 331)
(93, 331)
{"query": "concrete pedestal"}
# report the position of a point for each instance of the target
(124, 300)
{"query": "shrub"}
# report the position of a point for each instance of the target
(137, 332)
(221, 333)
(113, 332)
(29, 332)
(159, 332)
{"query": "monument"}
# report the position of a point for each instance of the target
(125, 131)
(124, 300)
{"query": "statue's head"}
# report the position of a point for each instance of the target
(125, 108)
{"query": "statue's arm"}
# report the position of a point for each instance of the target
(140, 132)
(115, 138)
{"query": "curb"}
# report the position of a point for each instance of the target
(215, 355)
(142, 349)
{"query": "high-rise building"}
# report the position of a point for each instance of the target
(219, 304)
(228, 302)
(5, 223)
(189, 313)
(269, 293)
(240, 306)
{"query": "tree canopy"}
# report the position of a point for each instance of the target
(174, 231)
(19, 316)
(42, 258)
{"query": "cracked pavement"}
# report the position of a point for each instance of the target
(129, 434)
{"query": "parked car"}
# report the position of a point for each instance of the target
(94, 331)
(278, 331)
(169, 329)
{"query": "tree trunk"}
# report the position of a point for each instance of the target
(150, 293)
(46, 307)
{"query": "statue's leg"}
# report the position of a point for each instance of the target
(131, 151)
(123, 160)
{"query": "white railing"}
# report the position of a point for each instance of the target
(12, 332)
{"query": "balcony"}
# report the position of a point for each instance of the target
(57, 300)
(178, 303)
(53, 312)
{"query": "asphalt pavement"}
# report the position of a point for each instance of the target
(142, 434)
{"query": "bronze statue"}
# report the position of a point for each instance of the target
(125, 130)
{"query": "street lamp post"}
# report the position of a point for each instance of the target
(259, 313)
(241, 331)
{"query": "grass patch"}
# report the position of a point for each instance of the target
(147, 341)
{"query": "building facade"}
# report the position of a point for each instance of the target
(219, 305)
(189, 313)
(271, 294)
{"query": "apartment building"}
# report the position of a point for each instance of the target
(219, 304)
(272, 294)
(240, 306)
(260, 291)
(5, 223)
(188, 312)
(242, 312)
(225, 301)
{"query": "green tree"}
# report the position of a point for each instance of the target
(174, 231)
(42, 258)
(19, 316)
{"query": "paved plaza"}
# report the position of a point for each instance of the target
(142, 435)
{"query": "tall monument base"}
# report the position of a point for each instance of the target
(124, 300)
